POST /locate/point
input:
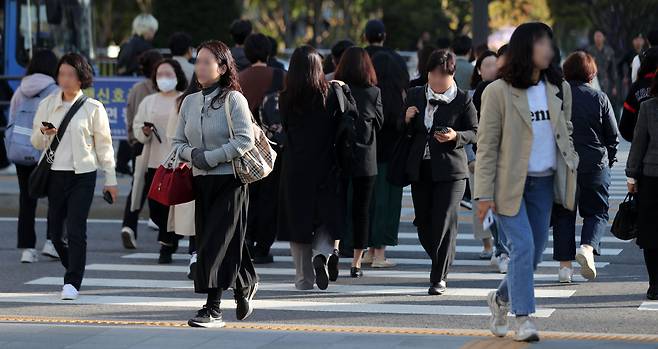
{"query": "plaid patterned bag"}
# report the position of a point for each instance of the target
(258, 162)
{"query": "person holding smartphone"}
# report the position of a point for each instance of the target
(441, 119)
(84, 148)
(149, 128)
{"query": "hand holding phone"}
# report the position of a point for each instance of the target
(109, 194)
(151, 127)
(47, 125)
(488, 220)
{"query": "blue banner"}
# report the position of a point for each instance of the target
(113, 93)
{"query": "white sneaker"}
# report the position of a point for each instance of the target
(192, 267)
(499, 324)
(586, 260)
(527, 331)
(503, 263)
(128, 238)
(69, 293)
(565, 275)
(29, 255)
(152, 225)
(494, 260)
(49, 250)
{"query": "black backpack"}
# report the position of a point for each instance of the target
(345, 141)
(269, 116)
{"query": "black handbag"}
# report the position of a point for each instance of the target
(624, 226)
(397, 166)
(39, 177)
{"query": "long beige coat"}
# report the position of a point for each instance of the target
(505, 141)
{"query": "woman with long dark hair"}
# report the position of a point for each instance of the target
(203, 138)
(525, 161)
(311, 204)
(356, 70)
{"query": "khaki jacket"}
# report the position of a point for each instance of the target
(505, 141)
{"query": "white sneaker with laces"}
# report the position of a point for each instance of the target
(69, 293)
(565, 275)
(152, 225)
(49, 250)
(585, 258)
(499, 324)
(503, 263)
(128, 238)
(527, 331)
(29, 255)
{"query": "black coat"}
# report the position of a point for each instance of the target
(128, 60)
(310, 195)
(448, 160)
(370, 121)
(639, 92)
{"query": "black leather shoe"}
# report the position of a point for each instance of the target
(332, 266)
(356, 272)
(652, 294)
(166, 253)
(321, 273)
(243, 305)
(437, 288)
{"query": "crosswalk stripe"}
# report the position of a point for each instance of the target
(265, 304)
(399, 261)
(291, 271)
(649, 305)
(289, 287)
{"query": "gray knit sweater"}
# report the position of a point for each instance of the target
(203, 127)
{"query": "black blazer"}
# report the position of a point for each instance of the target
(370, 121)
(448, 160)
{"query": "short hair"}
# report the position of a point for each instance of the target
(443, 43)
(461, 45)
(143, 23)
(240, 29)
(82, 68)
(652, 37)
(43, 62)
(339, 48)
(257, 48)
(579, 66)
(147, 61)
(443, 60)
(375, 31)
(181, 85)
(180, 43)
(355, 68)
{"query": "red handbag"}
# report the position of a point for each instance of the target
(172, 185)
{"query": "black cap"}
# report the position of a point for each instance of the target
(375, 30)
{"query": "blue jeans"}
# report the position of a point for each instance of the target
(526, 234)
(593, 207)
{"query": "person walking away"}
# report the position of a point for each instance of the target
(203, 138)
(149, 127)
(336, 54)
(311, 207)
(525, 162)
(137, 93)
(640, 91)
(257, 82)
(85, 147)
(462, 46)
(38, 83)
(144, 27)
(180, 45)
(595, 137)
(240, 29)
(375, 36)
(642, 173)
(272, 60)
(441, 119)
(356, 70)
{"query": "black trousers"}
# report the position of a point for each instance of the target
(223, 259)
(361, 199)
(160, 214)
(436, 205)
(124, 157)
(131, 218)
(69, 199)
(263, 211)
(27, 207)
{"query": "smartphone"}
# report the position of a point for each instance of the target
(149, 124)
(154, 130)
(488, 220)
(440, 130)
(47, 124)
(108, 197)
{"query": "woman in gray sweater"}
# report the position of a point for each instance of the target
(202, 138)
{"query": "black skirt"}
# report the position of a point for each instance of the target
(221, 220)
(647, 211)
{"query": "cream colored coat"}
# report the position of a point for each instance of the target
(505, 141)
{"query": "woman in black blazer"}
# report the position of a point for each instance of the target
(356, 70)
(440, 120)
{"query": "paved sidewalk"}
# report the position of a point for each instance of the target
(39, 336)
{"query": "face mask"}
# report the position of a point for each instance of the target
(166, 84)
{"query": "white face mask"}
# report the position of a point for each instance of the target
(166, 84)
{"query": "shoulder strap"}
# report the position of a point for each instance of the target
(65, 122)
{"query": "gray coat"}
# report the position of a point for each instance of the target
(204, 126)
(643, 158)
